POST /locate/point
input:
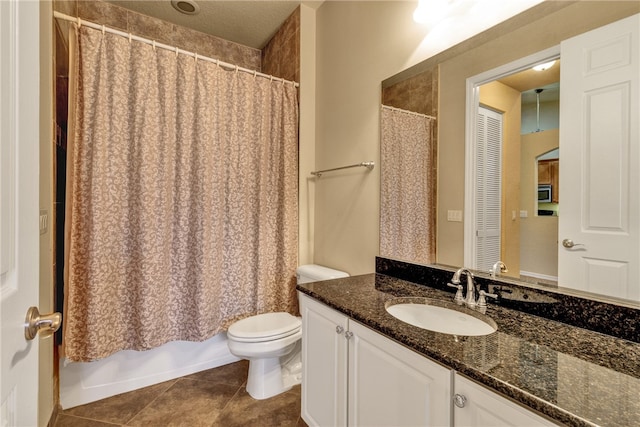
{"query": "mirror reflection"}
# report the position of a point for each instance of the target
(548, 183)
(532, 229)
(516, 173)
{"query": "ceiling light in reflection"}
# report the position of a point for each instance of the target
(545, 66)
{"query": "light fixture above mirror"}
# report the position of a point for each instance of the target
(431, 11)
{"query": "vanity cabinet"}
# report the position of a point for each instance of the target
(357, 377)
(475, 405)
(354, 376)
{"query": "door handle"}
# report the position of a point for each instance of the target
(568, 243)
(36, 323)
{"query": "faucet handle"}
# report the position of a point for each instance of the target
(482, 301)
(459, 297)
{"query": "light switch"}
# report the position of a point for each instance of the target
(454, 216)
(524, 214)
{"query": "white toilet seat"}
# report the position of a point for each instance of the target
(264, 327)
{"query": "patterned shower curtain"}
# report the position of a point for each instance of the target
(182, 197)
(407, 186)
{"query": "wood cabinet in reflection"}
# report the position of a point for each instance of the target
(549, 173)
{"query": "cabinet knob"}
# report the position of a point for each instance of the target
(348, 334)
(459, 400)
(339, 329)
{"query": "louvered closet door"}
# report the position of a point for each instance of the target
(488, 188)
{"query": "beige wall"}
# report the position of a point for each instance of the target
(47, 394)
(539, 250)
(306, 152)
(359, 44)
(506, 100)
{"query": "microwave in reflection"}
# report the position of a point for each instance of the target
(544, 193)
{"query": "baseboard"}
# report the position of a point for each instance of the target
(539, 276)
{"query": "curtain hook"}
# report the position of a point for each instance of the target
(271, 78)
(255, 73)
(195, 56)
(153, 43)
(236, 69)
(129, 38)
(103, 30)
(79, 22)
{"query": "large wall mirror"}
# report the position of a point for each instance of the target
(490, 78)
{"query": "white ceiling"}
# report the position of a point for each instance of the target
(250, 23)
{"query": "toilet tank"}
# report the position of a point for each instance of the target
(313, 273)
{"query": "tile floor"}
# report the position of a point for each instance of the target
(214, 398)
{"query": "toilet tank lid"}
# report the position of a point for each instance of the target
(319, 272)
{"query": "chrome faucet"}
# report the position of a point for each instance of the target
(470, 300)
(498, 267)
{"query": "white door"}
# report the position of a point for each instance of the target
(19, 236)
(390, 385)
(488, 197)
(599, 247)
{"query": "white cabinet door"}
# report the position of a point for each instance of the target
(324, 364)
(488, 409)
(390, 385)
(600, 152)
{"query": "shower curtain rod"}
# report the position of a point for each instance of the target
(226, 65)
(388, 107)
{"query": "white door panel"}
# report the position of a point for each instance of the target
(19, 236)
(488, 199)
(484, 408)
(324, 371)
(600, 148)
(390, 385)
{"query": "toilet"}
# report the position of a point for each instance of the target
(271, 342)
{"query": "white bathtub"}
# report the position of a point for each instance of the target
(128, 370)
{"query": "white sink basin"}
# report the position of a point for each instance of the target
(440, 316)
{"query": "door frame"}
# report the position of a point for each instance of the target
(471, 132)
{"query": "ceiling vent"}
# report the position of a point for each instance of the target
(188, 7)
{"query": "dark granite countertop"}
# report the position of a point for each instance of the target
(572, 375)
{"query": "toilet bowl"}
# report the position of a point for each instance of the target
(271, 342)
